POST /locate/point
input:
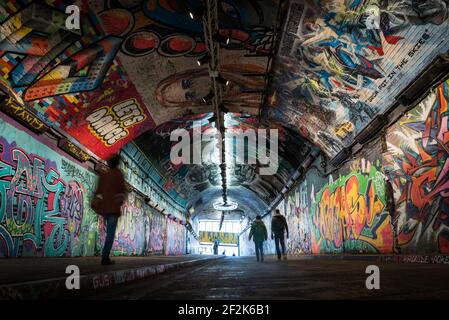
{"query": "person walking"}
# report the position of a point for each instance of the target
(278, 228)
(216, 244)
(108, 198)
(259, 234)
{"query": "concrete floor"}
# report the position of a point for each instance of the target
(244, 278)
(18, 270)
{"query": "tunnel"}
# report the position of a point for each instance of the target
(225, 114)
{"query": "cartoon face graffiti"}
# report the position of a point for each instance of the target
(186, 89)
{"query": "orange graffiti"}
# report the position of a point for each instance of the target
(352, 211)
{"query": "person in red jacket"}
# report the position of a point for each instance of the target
(108, 198)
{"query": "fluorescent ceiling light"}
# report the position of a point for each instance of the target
(229, 206)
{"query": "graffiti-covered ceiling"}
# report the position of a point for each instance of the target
(191, 181)
(342, 62)
(130, 74)
(131, 66)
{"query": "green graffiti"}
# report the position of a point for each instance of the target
(348, 214)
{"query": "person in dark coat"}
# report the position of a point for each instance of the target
(108, 198)
(278, 228)
(216, 244)
(259, 234)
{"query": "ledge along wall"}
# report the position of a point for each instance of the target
(44, 205)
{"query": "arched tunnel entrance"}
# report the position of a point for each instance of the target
(314, 131)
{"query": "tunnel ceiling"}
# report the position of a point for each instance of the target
(340, 63)
(129, 55)
(131, 74)
(200, 182)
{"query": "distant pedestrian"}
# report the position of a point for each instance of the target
(216, 243)
(108, 199)
(278, 228)
(259, 234)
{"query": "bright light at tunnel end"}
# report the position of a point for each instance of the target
(260, 146)
(229, 206)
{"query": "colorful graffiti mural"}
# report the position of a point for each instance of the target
(134, 65)
(176, 238)
(345, 212)
(161, 44)
(45, 212)
(342, 62)
(69, 76)
(167, 28)
(188, 181)
(158, 225)
(44, 206)
(417, 164)
(223, 237)
(296, 210)
(348, 214)
(130, 236)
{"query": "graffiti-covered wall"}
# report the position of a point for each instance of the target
(417, 163)
(44, 206)
(352, 211)
(70, 78)
(156, 232)
(345, 212)
(130, 237)
(176, 238)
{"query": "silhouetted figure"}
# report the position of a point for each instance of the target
(216, 243)
(278, 228)
(224, 252)
(108, 199)
(259, 234)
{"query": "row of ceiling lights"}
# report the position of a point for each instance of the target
(209, 16)
(198, 14)
(220, 80)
